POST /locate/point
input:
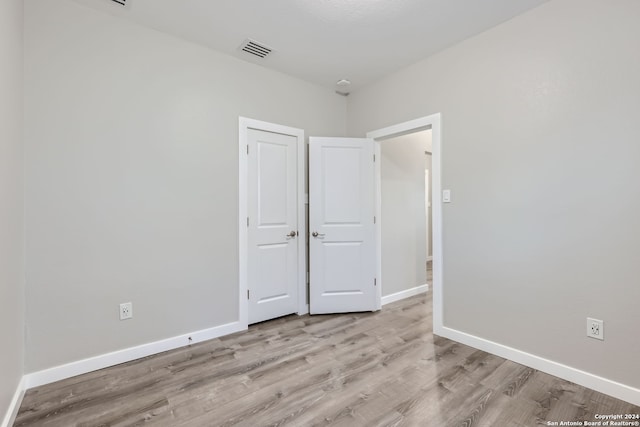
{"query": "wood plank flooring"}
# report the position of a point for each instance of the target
(365, 369)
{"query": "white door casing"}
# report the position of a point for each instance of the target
(272, 265)
(341, 222)
(432, 122)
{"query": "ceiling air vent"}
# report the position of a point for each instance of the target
(254, 48)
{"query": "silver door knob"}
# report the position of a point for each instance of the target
(292, 234)
(316, 234)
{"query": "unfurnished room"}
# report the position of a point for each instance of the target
(416, 213)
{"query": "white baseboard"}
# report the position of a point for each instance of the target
(79, 367)
(14, 406)
(388, 299)
(585, 379)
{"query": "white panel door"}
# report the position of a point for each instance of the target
(341, 223)
(273, 228)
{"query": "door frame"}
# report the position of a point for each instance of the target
(432, 122)
(244, 124)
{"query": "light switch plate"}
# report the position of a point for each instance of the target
(446, 196)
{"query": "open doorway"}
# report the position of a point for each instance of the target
(406, 229)
(432, 123)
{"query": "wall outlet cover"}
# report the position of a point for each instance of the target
(126, 310)
(595, 328)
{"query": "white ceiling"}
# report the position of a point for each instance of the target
(322, 41)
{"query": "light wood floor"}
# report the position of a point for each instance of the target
(368, 369)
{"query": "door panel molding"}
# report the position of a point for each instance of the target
(244, 124)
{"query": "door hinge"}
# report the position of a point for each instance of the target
(375, 282)
(247, 148)
(374, 219)
(247, 221)
(374, 158)
(248, 294)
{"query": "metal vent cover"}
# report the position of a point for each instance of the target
(255, 48)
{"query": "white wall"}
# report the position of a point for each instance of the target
(131, 192)
(541, 151)
(11, 203)
(404, 232)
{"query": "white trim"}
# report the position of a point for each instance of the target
(432, 122)
(79, 367)
(388, 299)
(245, 124)
(585, 379)
(303, 307)
(378, 230)
(14, 406)
(243, 233)
(404, 128)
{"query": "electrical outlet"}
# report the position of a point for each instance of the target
(126, 310)
(595, 328)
